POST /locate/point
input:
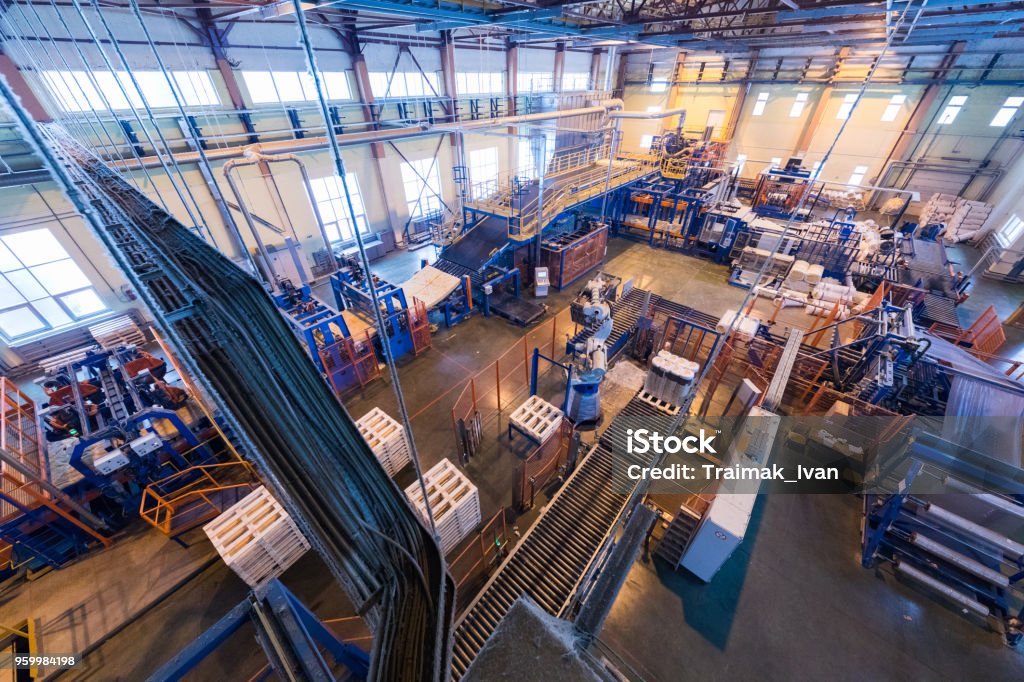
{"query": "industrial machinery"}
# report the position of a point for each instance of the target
(780, 192)
(406, 325)
(592, 310)
(113, 423)
(946, 519)
(347, 361)
(570, 254)
(690, 159)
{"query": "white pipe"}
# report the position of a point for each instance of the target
(964, 600)
(649, 115)
(990, 499)
(966, 563)
(1011, 549)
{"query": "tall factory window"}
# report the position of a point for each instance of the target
(759, 105)
(846, 107)
(646, 141)
(659, 85)
(483, 172)
(949, 114)
(74, 91)
(741, 161)
(329, 195)
(896, 103)
(776, 162)
(798, 105)
(266, 87)
(1007, 112)
(1011, 230)
(535, 81)
(479, 83)
(525, 165)
(576, 81)
(422, 186)
(41, 287)
(858, 174)
(404, 84)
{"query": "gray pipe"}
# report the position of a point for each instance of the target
(266, 268)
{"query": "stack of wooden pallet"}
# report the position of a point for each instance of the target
(386, 439)
(120, 331)
(256, 538)
(537, 419)
(454, 501)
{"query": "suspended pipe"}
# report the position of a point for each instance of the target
(367, 137)
(254, 154)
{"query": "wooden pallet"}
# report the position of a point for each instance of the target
(386, 439)
(257, 538)
(120, 331)
(454, 501)
(537, 419)
(55, 362)
(658, 404)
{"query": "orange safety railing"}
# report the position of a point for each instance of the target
(542, 465)
(19, 430)
(190, 497)
(503, 384)
(472, 566)
(351, 363)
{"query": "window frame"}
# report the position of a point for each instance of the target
(33, 305)
(339, 220)
(893, 108)
(482, 187)
(846, 106)
(799, 104)
(952, 109)
(428, 187)
(75, 92)
(759, 104)
(1007, 112)
(857, 176)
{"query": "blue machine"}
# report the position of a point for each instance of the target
(932, 517)
(317, 324)
(112, 426)
(290, 634)
(780, 192)
(351, 292)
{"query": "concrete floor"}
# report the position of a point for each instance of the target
(793, 603)
(802, 555)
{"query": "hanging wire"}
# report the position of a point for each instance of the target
(57, 106)
(204, 162)
(339, 163)
(198, 223)
(106, 103)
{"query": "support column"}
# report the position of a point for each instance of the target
(810, 128)
(740, 100)
(448, 74)
(595, 68)
(365, 94)
(619, 90)
(217, 40)
(559, 70)
(20, 87)
(511, 76)
(675, 94)
(918, 122)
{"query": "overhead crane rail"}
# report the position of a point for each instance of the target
(285, 417)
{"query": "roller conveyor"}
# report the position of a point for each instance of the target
(554, 555)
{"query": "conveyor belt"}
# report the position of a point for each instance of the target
(477, 246)
(552, 558)
(683, 312)
(236, 343)
(475, 278)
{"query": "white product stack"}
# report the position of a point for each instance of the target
(256, 538)
(746, 326)
(670, 378)
(826, 294)
(454, 502)
(386, 439)
(938, 209)
(967, 220)
(537, 418)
